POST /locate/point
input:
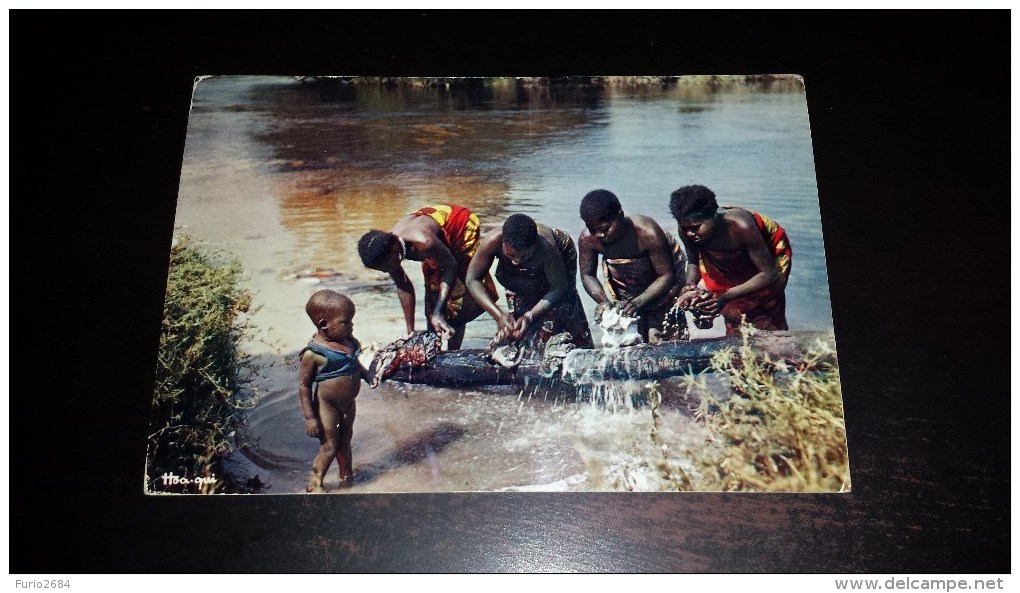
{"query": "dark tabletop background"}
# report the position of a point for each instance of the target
(910, 123)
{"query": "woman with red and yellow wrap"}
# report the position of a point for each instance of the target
(738, 260)
(443, 238)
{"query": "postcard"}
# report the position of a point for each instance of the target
(581, 284)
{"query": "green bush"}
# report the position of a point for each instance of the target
(781, 428)
(199, 405)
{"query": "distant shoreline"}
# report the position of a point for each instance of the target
(531, 81)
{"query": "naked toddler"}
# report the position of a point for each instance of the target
(330, 378)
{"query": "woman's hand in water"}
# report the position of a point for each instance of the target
(711, 304)
(313, 428)
(511, 328)
(502, 336)
(522, 326)
(439, 323)
(688, 297)
(627, 308)
(505, 324)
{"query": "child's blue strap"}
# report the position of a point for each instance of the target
(338, 364)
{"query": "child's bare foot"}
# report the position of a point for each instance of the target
(347, 481)
(315, 483)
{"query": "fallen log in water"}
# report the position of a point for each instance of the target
(465, 368)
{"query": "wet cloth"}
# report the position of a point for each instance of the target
(460, 234)
(417, 350)
(765, 309)
(526, 286)
(627, 278)
(619, 330)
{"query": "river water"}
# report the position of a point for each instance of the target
(286, 176)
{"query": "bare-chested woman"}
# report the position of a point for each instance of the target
(537, 265)
(443, 238)
(741, 258)
(643, 266)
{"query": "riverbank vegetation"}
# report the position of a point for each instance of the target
(199, 402)
(599, 81)
(388, 93)
(771, 425)
(781, 426)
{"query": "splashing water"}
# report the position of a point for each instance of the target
(619, 330)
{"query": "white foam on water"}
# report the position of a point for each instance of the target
(619, 330)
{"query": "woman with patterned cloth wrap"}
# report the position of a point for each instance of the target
(739, 260)
(443, 238)
(643, 267)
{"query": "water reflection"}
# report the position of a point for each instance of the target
(357, 156)
(328, 211)
(458, 94)
(423, 130)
